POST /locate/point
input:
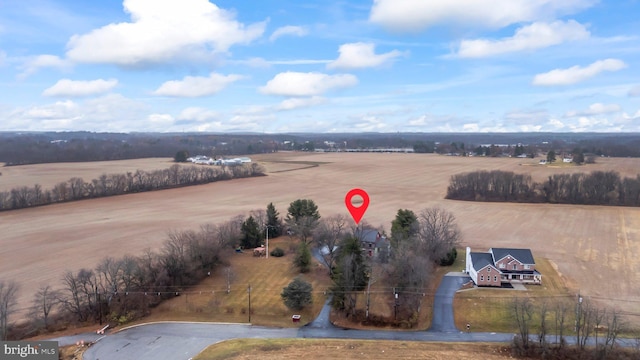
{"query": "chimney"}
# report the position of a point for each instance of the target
(468, 260)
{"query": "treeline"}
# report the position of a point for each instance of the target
(53, 147)
(596, 188)
(119, 184)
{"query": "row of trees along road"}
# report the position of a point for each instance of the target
(544, 326)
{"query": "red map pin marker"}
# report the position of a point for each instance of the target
(357, 212)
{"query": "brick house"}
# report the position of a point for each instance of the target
(502, 265)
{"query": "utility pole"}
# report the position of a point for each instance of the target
(395, 306)
(368, 295)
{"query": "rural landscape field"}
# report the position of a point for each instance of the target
(596, 249)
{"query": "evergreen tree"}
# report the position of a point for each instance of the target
(297, 294)
(302, 218)
(302, 208)
(404, 226)
(350, 275)
(578, 156)
(551, 156)
(274, 226)
(303, 258)
(181, 156)
(251, 234)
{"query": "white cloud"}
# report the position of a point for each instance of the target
(306, 84)
(71, 88)
(196, 86)
(416, 15)
(296, 103)
(576, 73)
(162, 31)
(197, 114)
(56, 111)
(361, 55)
(367, 122)
(531, 37)
(634, 91)
(163, 120)
(471, 127)
(32, 65)
(112, 112)
(595, 109)
(288, 30)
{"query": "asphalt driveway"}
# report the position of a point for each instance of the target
(442, 320)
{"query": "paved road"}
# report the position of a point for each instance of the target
(175, 340)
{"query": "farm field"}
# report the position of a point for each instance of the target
(596, 249)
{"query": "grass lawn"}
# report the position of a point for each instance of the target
(209, 300)
(490, 309)
(311, 349)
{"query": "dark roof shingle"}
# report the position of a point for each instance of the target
(523, 255)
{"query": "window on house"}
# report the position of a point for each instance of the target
(515, 266)
(501, 265)
(488, 269)
(495, 278)
(527, 267)
(481, 277)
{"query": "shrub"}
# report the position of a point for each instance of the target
(450, 258)
(277, 252)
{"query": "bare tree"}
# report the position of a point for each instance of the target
(584, 321)
(438, 232)
(544, 328)
(109, 272)
(229, 277)
(613, 328)
(303, 227)
(8, 300)
(409, 273)
(523, 313)
(175, 256)
(228, 233)
(560, 311)
(330, 232)
(81, 293)
(44, 301)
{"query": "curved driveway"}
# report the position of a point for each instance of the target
(442, 320)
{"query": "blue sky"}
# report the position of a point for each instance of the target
(320, 66)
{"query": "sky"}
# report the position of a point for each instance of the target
(327, 66)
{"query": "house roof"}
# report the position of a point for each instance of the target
(480, 260)
(372, 236)
(523, 255)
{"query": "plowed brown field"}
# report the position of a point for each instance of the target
(596, 248)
